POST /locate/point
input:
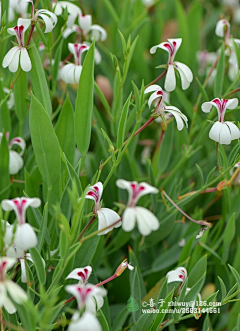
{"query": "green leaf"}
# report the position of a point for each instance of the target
(103, 321)
(160, 316)
(47, 150)
(166, 148)
(65, 130)
(235, 274)
(203, 91)
(39, 82)
(120, 319)
(43, 228)
(4, 168)
(136, 294)
(5, 120)
(55, 68)
(41, 272)
(200, 174)
(197, 271)
(229, 234)
(134, 261)
(145, 322)
(102, 98)
(84, 103)
(20, 96)
(223, 288)
(123, 123)
(218, 82)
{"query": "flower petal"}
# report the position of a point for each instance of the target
(129, 219)
(147, 221)
(98, 32)
(25, 61)
(225, 135)
(220, 27)
(25, 237)
(80, 274)
(15, 162)
(234, 130)
(152, 88)
(106, 217)
(9, 56)
(185, 74)
(170, 81)
(16, 292)
(214, 133)
(85, 22)
(87, 322)
(13, 66)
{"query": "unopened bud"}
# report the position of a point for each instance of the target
(123, 266)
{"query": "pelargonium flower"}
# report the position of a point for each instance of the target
(223, 30)
(15, 159)
(172, 46)
(86, 322)
(8, 286)
(95, 30)
(71, 72)
(147, 222)
(49, 18)
(10, 248)
(24, 237)
(72, 10)
(106, 216)
(88, 296)
(80, 274)
(11, 59)
(222, 132)
(177, 275)
(161, 108)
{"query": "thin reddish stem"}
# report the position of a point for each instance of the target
(158, 78)
(85, 229)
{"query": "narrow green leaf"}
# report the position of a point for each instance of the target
(197, 271)
(202, 90)
(20, 96)
(229, 234)
(65, 130)
(47, 150)
(84, 103)
(166, 148)
(223, 288)
(39, 82)
(235, 274)
(102, 98)
(218, 82)
(111, 10)
(38, 263)
(120, 319)
(5, 120)
(103, 321)
(160, 316)
(123, 123)
(200, 174)
(43, 228)
(55, 68)
(4, 168)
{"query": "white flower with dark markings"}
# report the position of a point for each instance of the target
(17, 53)
(146, 220)
(157, 97)
(87, 322)
(72, 9)
(24, 237)
(106, 216)
(81, 274)
(172, 46)
(222, 132)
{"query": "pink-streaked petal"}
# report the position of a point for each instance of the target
(152, 88)
(146, 188)
(80, 274)
(9, 56)
(18, 141)
(85, 22)
(177, 275)
(129, 219)
(176, 42)
(146, 220)
(234, 130)
(7, 263)
(106, 217)
(220, 27)
(153, 97)
(26, 22)
(170, 81)
(25, 61)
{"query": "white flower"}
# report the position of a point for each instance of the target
(222, 132)
(8, 240)
(161, 108)
(10, 102)
(177, 275)
(8, 286)
(147, 222)
(106, 216)
(49, 19)
(71, 72)
(88, 296)
(87, 322)
(186, 75)
(11, 59)
(95, 30)
(80, 274)
(15, 159)
(223, 30)
(25, 237)
(73, 11)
